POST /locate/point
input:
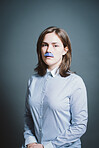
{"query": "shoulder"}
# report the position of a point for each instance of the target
(33, 78)
(76, 80)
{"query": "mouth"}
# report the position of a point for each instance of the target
(49, 54)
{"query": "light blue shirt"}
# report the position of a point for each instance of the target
(56, 110)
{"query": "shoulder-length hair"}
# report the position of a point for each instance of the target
(66, 60)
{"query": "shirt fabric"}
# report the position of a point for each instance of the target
(56, 110)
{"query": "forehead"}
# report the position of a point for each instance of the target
(52, 37)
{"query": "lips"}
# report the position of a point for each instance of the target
(49, 54)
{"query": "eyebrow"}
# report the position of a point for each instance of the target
(51, 43)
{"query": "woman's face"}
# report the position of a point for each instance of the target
(52, 44)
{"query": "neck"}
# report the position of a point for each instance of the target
(51, 68)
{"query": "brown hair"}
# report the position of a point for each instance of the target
(66, 60)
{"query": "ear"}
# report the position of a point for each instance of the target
(65, 50)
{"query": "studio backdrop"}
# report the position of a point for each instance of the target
(21, 24)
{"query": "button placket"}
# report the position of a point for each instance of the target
(41, 103)
(40, 117)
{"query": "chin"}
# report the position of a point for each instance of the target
(49, 62)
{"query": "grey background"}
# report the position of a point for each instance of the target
(21, 24)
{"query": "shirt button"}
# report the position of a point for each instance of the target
(40, 116)
(40, 129)
(41, 102)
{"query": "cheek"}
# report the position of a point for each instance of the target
(59, 54)
(42, 52)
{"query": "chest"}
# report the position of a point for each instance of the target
(52, 93)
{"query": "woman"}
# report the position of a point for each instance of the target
(56, 102)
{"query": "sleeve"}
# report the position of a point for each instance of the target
(49, 145)
(29, 134)
(79, 114)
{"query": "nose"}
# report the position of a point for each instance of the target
(49, 48)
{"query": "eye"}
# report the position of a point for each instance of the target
(56, 45)
(44, 45)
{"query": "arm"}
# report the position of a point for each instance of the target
(29, 133)
(78, 103)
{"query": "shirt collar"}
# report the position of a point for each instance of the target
(54, 72)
